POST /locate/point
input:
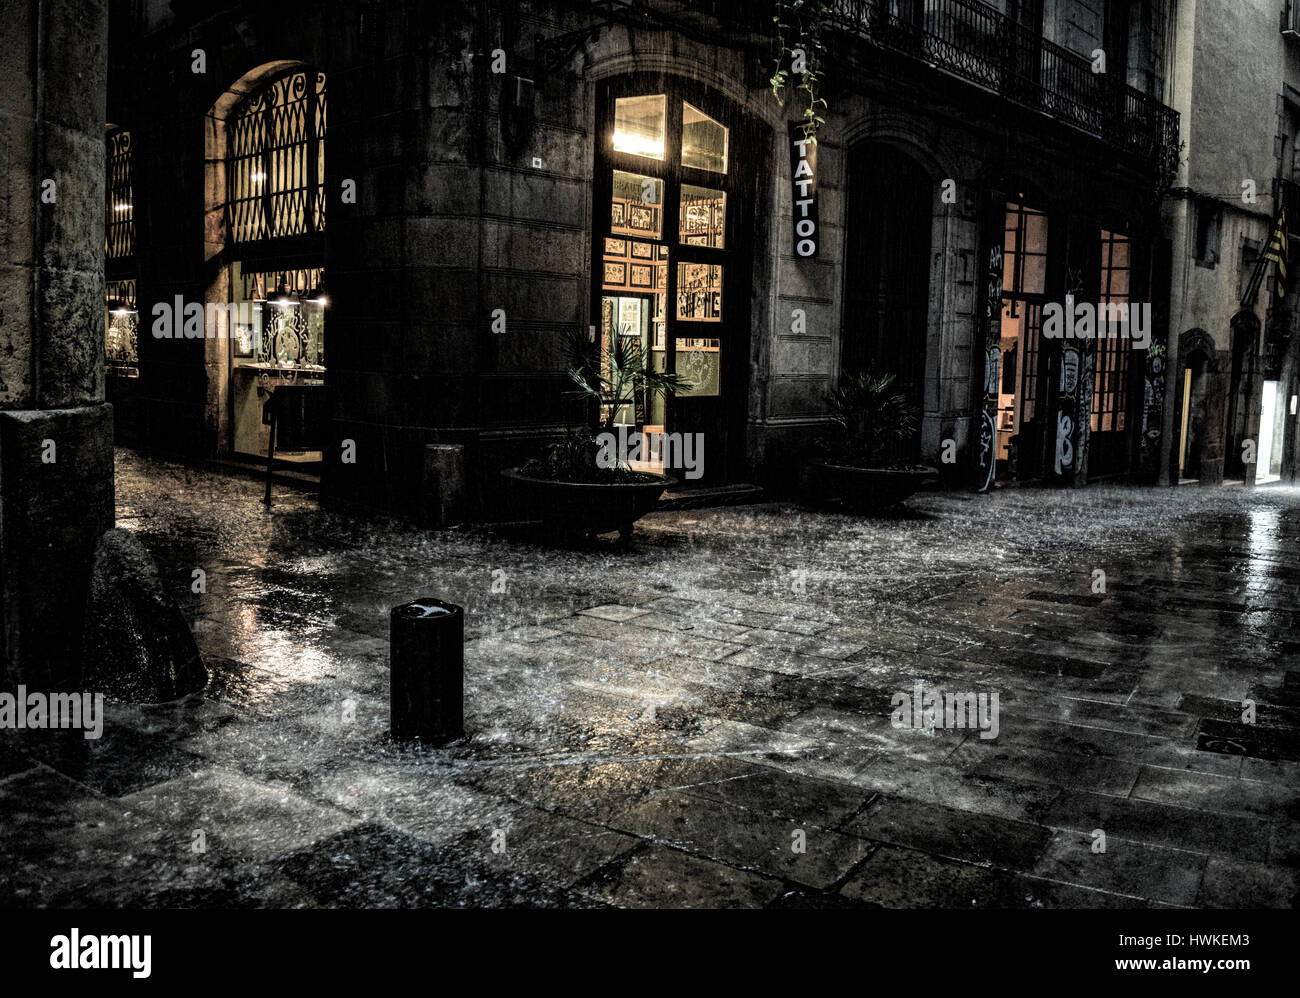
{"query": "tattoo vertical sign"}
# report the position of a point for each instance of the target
(803, 193)
(991, 319)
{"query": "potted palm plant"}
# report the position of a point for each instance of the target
(582, 483)
(863, 465)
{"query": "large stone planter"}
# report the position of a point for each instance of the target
(868, 489)
(584, 507)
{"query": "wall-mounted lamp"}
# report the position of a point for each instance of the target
(119, 307)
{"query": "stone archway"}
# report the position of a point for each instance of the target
(219, 405)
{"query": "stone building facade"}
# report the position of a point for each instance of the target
(420, 202)
(1230, 374)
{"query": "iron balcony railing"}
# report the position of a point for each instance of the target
(978, 43)
(972, 41)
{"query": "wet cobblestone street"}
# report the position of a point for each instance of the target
(668, 725)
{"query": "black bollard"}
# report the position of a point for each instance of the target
(426, 657)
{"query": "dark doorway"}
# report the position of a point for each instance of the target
(887, 267)
(1245, 337)
(1195, 410)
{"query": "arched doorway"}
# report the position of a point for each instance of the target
(887, 268)
(1198, 447)
(265, 201)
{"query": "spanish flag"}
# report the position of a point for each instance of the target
(1277, 251)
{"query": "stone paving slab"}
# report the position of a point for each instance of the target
(1161, 824)
(1133, 869)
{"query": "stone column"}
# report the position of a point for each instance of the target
(56, 431)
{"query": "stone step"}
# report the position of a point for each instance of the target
(709, 495)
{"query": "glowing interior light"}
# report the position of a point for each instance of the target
(638, 145)
(122, 207)
(257, 178)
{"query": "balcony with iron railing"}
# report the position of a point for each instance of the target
(966, 39)
(979, 44)
(976, 43)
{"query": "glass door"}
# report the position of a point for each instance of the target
(667, 273)
(1024, 283)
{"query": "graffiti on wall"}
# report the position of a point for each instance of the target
(1153, 402)
(1073, 391)
(992, 367)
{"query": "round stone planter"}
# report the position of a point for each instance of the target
(869, 489)
(587, 507)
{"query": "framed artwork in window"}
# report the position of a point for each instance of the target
(615, 273)
(616, 247)
(643, 251)
(642, 217)
(642, 276)
(617, 218)
(698, 217)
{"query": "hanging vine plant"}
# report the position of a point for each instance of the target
(801, 27)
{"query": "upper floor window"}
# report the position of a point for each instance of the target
(1209, 222)
(276, 172)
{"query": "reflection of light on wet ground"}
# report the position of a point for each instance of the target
(1264, 552)
(686, 678)
(1263, 532)
(1262, 536)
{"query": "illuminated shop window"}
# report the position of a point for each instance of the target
(703, 217)
(121, 325)
(639, 126)
(704, 141)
